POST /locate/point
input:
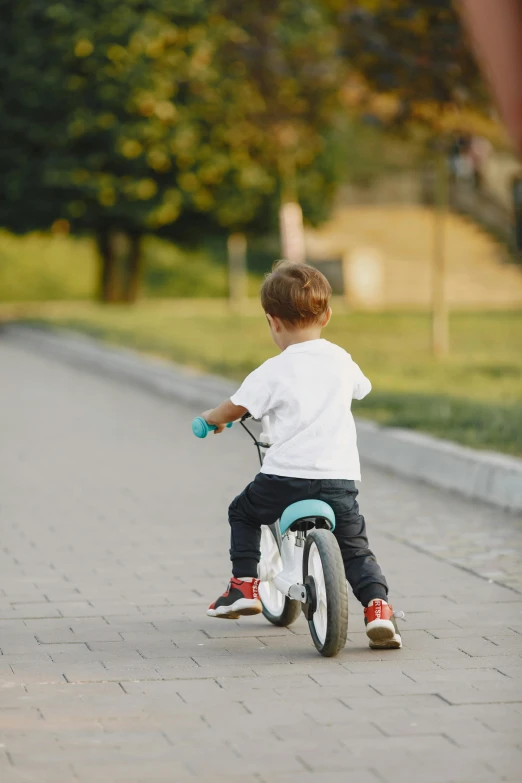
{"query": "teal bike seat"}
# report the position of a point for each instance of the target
(307, 509)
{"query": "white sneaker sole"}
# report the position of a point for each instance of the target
(382, 635)
(395, 643)
(244, 607)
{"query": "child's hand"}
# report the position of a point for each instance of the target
(226, 412)
(207, 415)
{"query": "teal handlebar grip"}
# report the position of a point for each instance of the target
(201, 428)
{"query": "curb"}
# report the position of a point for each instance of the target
(480, 475)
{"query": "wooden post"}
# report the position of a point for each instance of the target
(292, 232)
(439, 323)
(237, 271)
(290, 213)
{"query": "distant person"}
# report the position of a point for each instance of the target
(461, 164)
(479, 151)
(495, 27)
(307, 392)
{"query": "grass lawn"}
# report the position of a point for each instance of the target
(474, 396)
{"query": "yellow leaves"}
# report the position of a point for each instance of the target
(146, 103)
(185, 141)
(286, 135)
(107, 196)
(158, 159)
(370, 5)
(106, 121)
(168, 211)
(138, 43)
(306, 154)
(171, 36)
(116, 53)
(149, 105)
(173, 196)
(452, 119)
(145, 189)
(240, 134)
(254, 176)
(154, 48)
(203, 199)
(211, 173)
(131, 148)
(238, 35)
(138, 190)
(200, 60)
(188, 182)
(83, 48)
(165, 111)
(60, 226)
(185, 161)
(196, 33)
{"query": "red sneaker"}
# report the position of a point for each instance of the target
(381, 626)
(241, 598)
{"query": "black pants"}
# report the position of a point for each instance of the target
(265, 499)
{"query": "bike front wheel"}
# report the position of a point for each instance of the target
(277, 608)
(323, 574)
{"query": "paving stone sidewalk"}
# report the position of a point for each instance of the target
(114, 540)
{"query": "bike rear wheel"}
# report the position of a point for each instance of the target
(323, 574)
(277, 608)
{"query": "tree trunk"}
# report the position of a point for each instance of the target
(108, 269)
(133, 269)
(237, 271)
(440, 330)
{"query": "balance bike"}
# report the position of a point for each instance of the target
(301, 567)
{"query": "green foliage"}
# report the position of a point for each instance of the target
(481, 425)
(129, 114)
(417, 51)
(176, 272)
(474, 396)
(40, 267)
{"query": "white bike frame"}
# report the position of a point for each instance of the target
(288, 581)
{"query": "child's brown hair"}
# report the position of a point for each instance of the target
(296, 293)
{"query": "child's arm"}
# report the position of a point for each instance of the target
(224, 413)
(362, 385)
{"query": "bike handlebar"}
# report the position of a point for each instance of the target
(201, 428)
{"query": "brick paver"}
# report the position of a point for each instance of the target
(114, 540)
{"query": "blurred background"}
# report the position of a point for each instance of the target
(158, 157)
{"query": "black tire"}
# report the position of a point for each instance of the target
(334, 620)
(290, 609)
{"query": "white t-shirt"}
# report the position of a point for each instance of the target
(307, 393)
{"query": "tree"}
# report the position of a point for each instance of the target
(418, 53)
(168, 116)
(289, 51)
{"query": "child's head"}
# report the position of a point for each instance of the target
(295, 298)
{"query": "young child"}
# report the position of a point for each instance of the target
(306, 392)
